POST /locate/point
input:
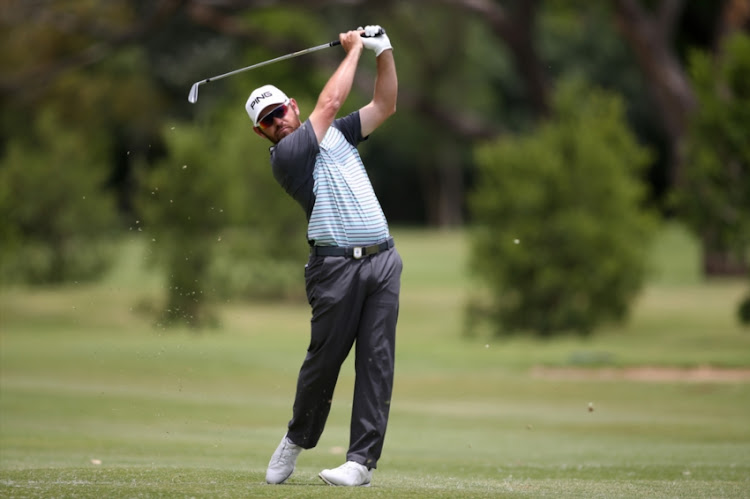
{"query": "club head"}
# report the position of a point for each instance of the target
(193, 96)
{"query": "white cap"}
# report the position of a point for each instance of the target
(261, 98)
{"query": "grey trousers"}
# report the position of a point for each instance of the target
(353, 301)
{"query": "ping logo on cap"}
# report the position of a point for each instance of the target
(264, 95)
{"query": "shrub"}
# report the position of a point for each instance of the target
(243, 268)
(714, 196)
(220, 225)
(56, 218)
(561, 235)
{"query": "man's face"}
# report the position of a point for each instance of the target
(278, 120)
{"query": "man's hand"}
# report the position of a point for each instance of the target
(351, 40)
(375, 42)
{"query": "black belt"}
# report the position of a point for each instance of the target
(355, 252)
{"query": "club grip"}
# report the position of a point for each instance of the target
(380, 32)
(337, 42)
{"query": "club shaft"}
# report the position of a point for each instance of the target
(271, 61)
(193, 95)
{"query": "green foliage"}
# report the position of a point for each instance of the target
(56, 216)
(714, 199)
(561, 235)
(220, 225)
(182, 205)
(246, 267)
(262, 252)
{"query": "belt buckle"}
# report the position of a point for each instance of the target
(357, 253)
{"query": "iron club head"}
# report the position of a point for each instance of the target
(193, 96)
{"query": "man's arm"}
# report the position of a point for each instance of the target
(337, 89)
(384, 97)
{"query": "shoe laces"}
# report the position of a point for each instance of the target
(287, 452)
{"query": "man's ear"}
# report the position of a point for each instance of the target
(258, 131)
(294, 105)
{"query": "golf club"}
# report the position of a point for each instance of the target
(193, 96)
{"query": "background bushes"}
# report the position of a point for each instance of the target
(561, 231)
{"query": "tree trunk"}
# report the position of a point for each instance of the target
(444, 194)
(649, 36)
(450, 190)
(722, 263)
(734, 17)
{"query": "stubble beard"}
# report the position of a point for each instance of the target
(282, 131)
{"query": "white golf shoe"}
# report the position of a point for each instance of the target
(349, 474)
(282, 462)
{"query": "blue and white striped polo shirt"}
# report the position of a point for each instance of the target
(331, 183)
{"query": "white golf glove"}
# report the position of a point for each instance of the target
(373, 41)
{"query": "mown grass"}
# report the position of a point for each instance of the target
(84, 377)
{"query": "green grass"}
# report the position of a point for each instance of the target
(185, 414)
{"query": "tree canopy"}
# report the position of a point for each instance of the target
(114, 76)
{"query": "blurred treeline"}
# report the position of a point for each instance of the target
(97, 136)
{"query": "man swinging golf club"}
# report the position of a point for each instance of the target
(353, 274)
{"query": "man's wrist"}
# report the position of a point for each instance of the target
(356, 51)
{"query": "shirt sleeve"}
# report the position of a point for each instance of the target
(293, 163)
(351, 126)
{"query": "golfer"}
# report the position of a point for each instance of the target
(353, 274)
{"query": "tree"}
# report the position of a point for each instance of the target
(562, 237)
(652, 35)
(218, 225)
(54, 214)
(715, 197)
